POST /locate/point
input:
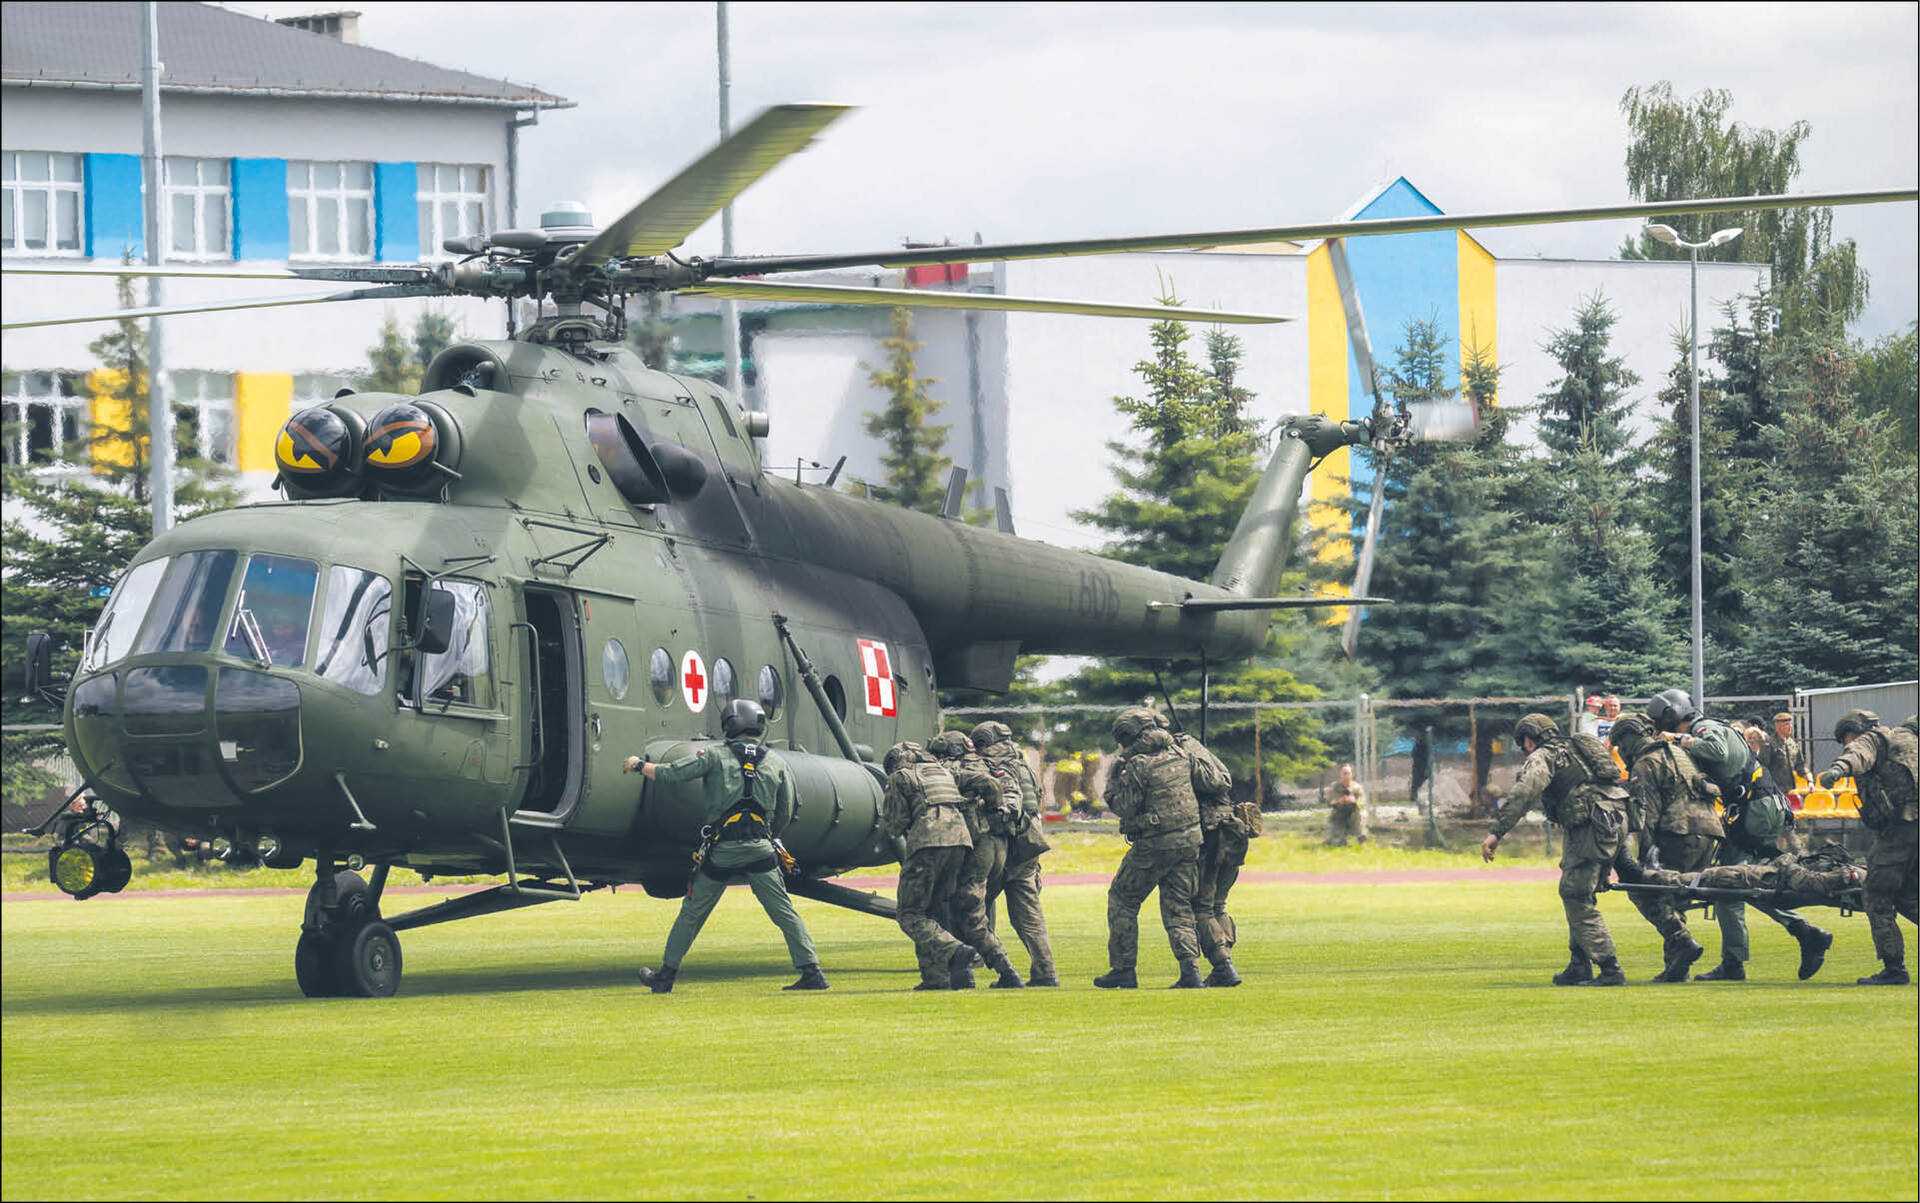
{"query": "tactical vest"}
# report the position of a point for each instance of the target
(1887, 795)
(1583, 772)
(746, 819)
(936, 788)
(1167, 803)
(1022, 773)
(1693, 814)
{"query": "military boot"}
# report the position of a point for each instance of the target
(1008, 979)
(1223, 975)
(1610, 974)
(1190, 978)
(1726, 971)
(1679, 963)
(1048, 978)
(1117, 979)
(660, 980)
(960, 969)
(931, 986)
(1894, 973)
(810, 979)
(1814, 943)
(1578, 971)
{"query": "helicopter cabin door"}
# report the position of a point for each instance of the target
(551, 705)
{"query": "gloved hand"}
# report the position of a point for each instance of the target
(788, 865)
(633, 764)
(1828, 778)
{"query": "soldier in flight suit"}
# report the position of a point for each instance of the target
(1670, 805)
(1150, 790)
(1026, 843)
(749, 802)
(1885, 763)
(1223, 849)
(1575, 782)
(924, 810)
(1748, 793)
(990, 795)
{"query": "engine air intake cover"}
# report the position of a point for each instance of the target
(412, 447)
(318, 452)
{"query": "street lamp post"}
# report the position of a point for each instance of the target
(1671, 237)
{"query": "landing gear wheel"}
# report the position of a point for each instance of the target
(116, 870)
(313, 967)
(366, 960)
(351, 902)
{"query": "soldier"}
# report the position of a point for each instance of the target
(748, 803)
(989, 796)
(1576, 784)
(1756, 827)
(1784, 760)
(994, 741)
(1347, 812)
(1885, 763)
(924, 810)
(1150, 789)
(1224, 833)
(1827, 875)
(1670, 806)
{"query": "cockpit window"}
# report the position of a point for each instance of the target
(186, 607)
(463, 673)
(269, 624)
(355, 629)
(120, 621)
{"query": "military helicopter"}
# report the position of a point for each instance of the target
(472, 604)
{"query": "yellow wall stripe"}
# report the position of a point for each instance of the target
(107, 413)
(262, 402)
(1479, 301)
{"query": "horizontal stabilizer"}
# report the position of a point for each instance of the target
(1205, 604)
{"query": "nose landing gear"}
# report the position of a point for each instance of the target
(345, 948)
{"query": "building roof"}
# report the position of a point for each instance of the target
(215, 51)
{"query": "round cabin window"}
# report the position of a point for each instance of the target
(837, 697)
(660, 675)
(614, 669)
(771, 691)
(725, 687)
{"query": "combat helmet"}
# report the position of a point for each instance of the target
(990, 733)
(903, 753)
(742, 718)
(1537, 727)
(1855, 722)
(950, 745)
(1630, 734)
(1133, 722)
(1671, 709)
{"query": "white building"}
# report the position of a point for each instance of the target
(282, 146)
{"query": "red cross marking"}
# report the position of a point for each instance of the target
(694, 681)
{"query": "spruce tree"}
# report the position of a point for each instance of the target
(396, 362)
(916, 469)
(1832, 554)
(1184, 482)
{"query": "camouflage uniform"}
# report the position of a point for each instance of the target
(995, 743)
(1223, 849)
(1723, 755)
(988, 795)
(1885, 763)
(1347, 816)
(1825, 874)
(1150, 789)
(1575, 783)
(1670, 810)
(1783, 758)
(924, 809)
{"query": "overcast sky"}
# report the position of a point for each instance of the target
(1080, 120)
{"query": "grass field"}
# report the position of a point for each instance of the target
(1391, 1040)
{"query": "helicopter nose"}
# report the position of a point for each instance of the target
(191, 736)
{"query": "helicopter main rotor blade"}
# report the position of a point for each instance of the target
(683, 204)
(360, 275)
(115, 315)
(775, 290)
(758, 264)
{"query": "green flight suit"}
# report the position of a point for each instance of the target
(722, 784)
(1723, 755)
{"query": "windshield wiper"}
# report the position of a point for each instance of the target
(249, 629)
